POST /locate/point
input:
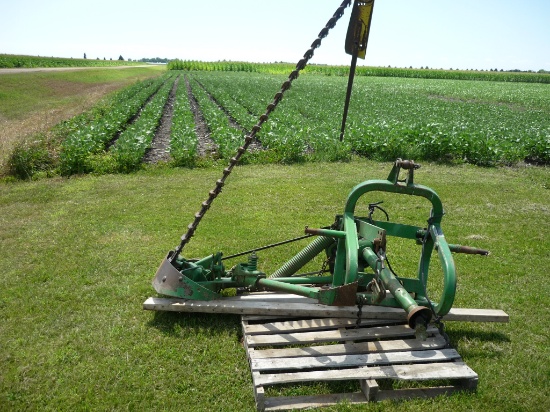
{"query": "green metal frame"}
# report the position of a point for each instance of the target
(352, 245)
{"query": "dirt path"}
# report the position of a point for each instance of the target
(206, 146)
(158, 152)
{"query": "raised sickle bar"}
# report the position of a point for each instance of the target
(192, 227)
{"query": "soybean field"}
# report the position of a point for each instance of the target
(187, 118)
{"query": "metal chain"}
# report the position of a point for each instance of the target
(262, 119)
(360, 303)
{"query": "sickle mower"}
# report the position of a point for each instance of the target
(356, 270)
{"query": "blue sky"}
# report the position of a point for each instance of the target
(465, 34)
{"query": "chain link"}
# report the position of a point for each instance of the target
(360, 303)
(192, 227)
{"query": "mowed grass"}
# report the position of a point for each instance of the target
(78, 255)
(33, 102)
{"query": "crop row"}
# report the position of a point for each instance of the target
(482, 123)
(285, 68)
(226, 137)
(18, 61)
(92, 137)
(183, 138)
(134, 141)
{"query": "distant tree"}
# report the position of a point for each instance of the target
(121, 58)
(84, 55)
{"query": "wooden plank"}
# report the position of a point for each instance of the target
(285, 403)
(426, 371)
(436, 342)
(370, 389)
(477, 315)
(304, 325)
(259, 393)
(348, 361)
(338, 335)
(265, 318)
(241, 306)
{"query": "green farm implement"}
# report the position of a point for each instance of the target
(355, 269)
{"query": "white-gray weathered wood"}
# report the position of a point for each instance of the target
(370, 389)
(307, 325)
(339, 335)
(242, 305)
(436, 342)
(285, 403)
(426, 371)
(348, 361)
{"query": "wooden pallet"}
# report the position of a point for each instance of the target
(374, 357)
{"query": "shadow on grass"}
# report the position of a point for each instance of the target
(177, 324)
(484, 344)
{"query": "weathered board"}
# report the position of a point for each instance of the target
(274, 304)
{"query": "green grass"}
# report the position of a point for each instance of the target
(23, 93)
(78, 256)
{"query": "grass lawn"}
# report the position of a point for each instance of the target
(78, 255)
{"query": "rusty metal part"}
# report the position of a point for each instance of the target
(345, 295)
(469, 250)
(192, 227)
(407, 164)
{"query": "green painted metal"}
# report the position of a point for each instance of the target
(413, 309)
(304, 256)
(273, 284)
(354, 248)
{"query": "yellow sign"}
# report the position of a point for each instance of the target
(359, 27)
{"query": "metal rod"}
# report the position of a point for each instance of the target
(287, 287)
(266, 247)
(350, 87)
(417, 316)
